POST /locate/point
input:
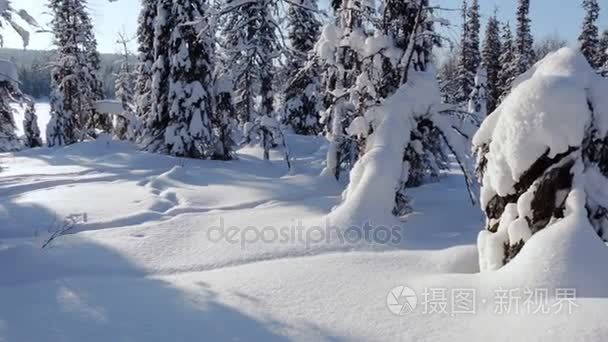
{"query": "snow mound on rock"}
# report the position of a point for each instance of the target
(568, 255)
(551, 110)
(547, 110)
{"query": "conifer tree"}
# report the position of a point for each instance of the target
(224, 119)
(145, 40)
(340, 58)
(603, 48)
(470, 58)
(157, 120)
(508, 70)
(474, 27)
(253, 47)
(301, 108)
(92, 65)
(74, 80)
(603, 54)
(30, 126)
(524, 42)
(126, 124)
(448, 78)
(492, 49)
(478, 101)
(589, 37)
(189, 132)
(9, 94)
(400, 159)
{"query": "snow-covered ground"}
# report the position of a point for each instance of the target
(149, 263)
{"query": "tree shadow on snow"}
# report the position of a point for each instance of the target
(84, 292)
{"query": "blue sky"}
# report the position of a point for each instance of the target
(549, 16)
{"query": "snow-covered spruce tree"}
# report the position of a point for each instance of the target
(524, 42)
(255, 47)
(508, 71)
(339, 51)
(224, 119)
(603, 50)
(478, 101)
(73, 94)
(9, 94)
(492, 49)
(302, 103)
(407, 27)
(189, 132)
(145, 40)
(589, 37)
(406, 128)
(470, 57)
(31, 131)
(126, 124)
(90, 71)
(157, 120)
(448, 78)
(538, 171)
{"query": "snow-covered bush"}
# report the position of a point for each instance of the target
(547, 140)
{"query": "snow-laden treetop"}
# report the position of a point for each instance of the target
(548, 110)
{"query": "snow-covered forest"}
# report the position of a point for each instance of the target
(307, 170)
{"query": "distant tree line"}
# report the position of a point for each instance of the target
(35, 72)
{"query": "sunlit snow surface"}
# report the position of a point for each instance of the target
(144, 267)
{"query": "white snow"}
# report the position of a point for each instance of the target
(142, 267)
(147, 265)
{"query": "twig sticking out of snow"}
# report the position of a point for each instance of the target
(64, 227)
